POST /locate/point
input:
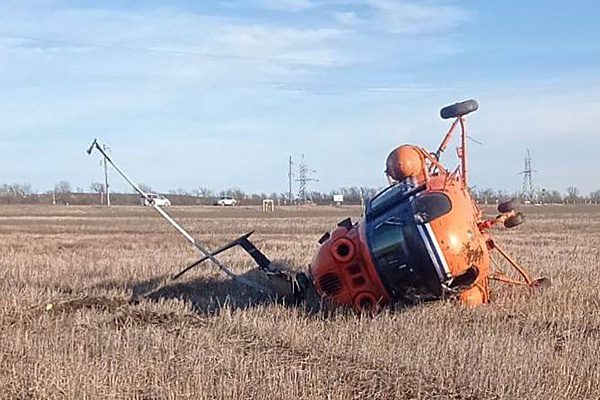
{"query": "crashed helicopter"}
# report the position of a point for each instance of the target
(421, 238)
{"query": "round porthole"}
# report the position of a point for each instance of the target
(365, 303)
(343, 250)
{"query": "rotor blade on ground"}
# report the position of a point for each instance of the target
(221, 249)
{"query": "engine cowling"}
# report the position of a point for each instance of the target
(343, 271)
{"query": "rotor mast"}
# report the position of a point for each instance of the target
(463, 150)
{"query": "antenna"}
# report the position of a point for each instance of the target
(527, 188)
(304, 177)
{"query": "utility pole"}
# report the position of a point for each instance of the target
(104, 163)
(290, 178)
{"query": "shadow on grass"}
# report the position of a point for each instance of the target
(208, 296)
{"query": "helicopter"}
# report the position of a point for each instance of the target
(422, 238)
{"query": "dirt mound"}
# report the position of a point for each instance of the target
(101, 303)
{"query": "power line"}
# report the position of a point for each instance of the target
(527, 187)
(305, 175)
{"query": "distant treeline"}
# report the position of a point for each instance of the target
(541, 196)
(64, 193)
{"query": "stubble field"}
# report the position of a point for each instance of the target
(68, 329)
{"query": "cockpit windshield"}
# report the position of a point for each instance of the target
(397, 240)
(389, 197)
(388, 245)
(382, 196)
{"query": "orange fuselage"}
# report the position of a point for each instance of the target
(461, 242)
(419, 240)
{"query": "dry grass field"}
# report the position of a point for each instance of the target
(204, 338)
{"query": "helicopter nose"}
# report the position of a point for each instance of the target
(404, 162)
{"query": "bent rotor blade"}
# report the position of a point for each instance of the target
(178, 227)
(89, 150)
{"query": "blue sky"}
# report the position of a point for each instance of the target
(219, 93)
